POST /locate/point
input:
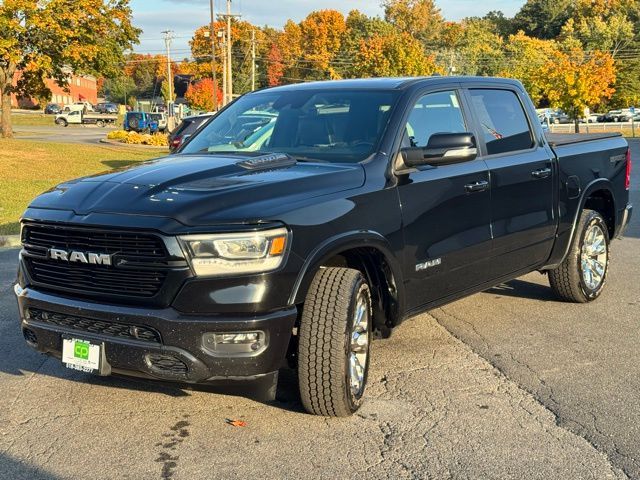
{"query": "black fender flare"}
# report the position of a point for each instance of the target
(340, 243)
(593, 186)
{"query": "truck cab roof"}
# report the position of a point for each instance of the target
(393, 83)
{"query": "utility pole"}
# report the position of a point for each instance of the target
(213, 58)
(223, 35)
(229, 46)
(253, 59)
(228, 69)
(168, 36)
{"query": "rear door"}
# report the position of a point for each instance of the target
(446, 222)
(522, 175)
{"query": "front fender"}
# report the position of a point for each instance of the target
(339, 244)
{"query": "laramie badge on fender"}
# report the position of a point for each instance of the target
(428, 264)
(80, 257)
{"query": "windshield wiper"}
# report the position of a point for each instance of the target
(222, 152)
(307, 159)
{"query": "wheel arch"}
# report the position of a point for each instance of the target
(370, 253)
(597, 195)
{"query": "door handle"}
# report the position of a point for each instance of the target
(542, 173)
(479, 186)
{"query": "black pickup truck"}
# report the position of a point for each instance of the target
(301, 221)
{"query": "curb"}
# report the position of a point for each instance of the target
(120, 144)
(9, 241)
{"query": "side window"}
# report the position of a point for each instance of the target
(502, 120)
(437, 112)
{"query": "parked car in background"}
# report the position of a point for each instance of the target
(72, 108)
(52, 109)
(87, 106)
(593, 117)
(187, 127)
(619, 115)
(162, 120)
(559, 117)
(79, 118)
(107, 107)
(140, 122)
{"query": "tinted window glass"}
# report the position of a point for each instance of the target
(502, 120)
(331, 125)
(434, 113)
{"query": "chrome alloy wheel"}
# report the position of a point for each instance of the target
(593, 257)
(359, 346)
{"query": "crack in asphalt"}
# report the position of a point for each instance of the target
(546, 401)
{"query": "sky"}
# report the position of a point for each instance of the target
(184, 16)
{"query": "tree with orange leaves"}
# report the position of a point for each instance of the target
(275, 67)
(200, 95)
(395, 55)
(574, 79)
(322, 33)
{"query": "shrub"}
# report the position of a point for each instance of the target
(117, 135)
(135, 138)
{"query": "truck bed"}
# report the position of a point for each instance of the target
(558, 139)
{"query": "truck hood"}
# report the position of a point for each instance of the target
(203, 189)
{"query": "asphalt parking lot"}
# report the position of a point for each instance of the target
(509, 383)
(87, 134)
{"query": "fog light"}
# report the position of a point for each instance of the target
(234, 343)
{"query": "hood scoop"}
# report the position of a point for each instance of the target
(267, 162)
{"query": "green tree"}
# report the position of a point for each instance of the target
(480, 51)
(600, 25)
(119, 89)
(627, 84)
(165, 92)
(42, 40)
(543, 18)
(503, 26)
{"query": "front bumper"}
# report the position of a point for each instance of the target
(179, 337)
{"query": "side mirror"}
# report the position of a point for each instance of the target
(442, 149)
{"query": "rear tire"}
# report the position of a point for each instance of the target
(334, 339)
(100, 123)
(581, 277)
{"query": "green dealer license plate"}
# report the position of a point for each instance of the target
(81, 355)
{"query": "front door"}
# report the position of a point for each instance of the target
(445, 209)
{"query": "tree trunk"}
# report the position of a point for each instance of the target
(6, 130)
(576, 124)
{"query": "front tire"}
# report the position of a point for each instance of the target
(582, 275)
(334, 339)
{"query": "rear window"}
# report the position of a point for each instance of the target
(502, 119)
(194, 125)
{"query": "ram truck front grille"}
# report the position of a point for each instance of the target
(137, 264)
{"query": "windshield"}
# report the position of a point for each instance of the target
(329, 125)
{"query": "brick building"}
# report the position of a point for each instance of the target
(81, 88)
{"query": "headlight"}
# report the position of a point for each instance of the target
(236, 253)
